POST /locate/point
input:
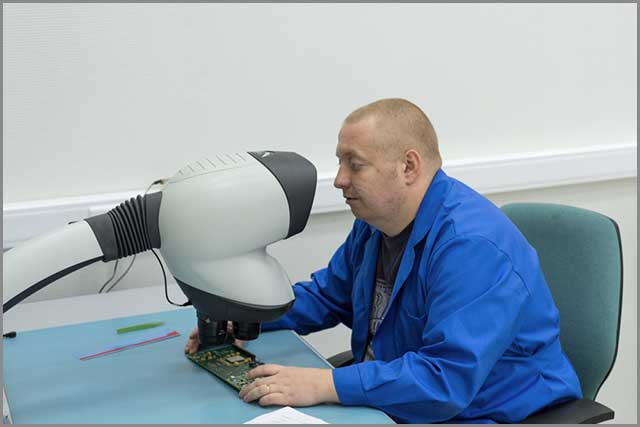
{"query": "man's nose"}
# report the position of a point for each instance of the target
(342, 179)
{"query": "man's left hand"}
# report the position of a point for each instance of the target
(289, 386)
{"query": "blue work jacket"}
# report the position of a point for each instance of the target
(471, 332)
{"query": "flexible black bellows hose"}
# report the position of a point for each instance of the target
(129, 228)
(129, 224)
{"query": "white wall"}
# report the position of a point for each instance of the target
(104, 98)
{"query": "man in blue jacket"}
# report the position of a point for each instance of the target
(450, 313)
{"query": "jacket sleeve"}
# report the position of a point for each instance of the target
(325, 300)
(473, 311)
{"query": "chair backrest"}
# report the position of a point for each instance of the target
(581, 258)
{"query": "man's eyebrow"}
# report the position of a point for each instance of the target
(350, 153)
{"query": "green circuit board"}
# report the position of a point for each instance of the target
(228, 362)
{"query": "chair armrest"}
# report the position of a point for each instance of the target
(341, 359)
(583, 411)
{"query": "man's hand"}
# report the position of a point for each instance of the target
(289, 386)
(192, 343)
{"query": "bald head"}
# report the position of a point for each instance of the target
(399, 125)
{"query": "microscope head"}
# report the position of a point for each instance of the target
(215, 220)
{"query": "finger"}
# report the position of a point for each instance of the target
(240, 343)
(273, 399)
(192, 347)
(263, 371)
(253, 384)
(259, 392)
(244, 390)
(229, 327)
(193, 334)
(255, 392)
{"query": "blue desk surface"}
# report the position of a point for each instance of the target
(46, 383)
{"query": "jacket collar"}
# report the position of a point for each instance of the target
(428, 210)
(429, 207)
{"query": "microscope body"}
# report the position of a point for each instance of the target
(211, 222)
(216, 249)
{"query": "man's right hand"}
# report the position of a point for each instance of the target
(193, 342)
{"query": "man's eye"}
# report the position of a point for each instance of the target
(356, 166)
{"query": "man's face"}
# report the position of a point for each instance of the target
(370, 179)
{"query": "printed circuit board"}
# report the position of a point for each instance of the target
(228, 362)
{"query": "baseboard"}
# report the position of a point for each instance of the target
(23, 220)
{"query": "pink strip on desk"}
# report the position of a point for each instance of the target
(171, 334)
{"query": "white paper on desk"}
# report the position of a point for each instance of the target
(286, 415)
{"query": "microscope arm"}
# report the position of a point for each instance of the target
(35, 264)
(127, 229)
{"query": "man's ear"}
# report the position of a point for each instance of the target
(412, 166)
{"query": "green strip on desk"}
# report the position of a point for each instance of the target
(139, 327)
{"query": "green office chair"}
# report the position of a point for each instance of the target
(581, 257)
